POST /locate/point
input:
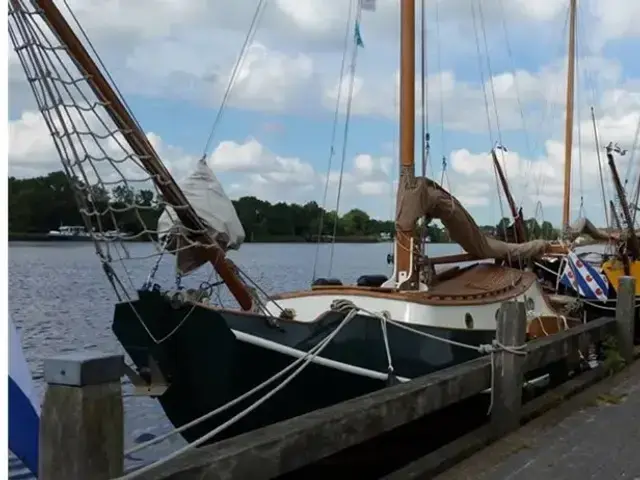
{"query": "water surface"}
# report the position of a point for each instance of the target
(60, 299)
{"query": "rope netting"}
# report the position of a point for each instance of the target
(119, 197)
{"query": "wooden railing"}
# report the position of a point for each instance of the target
(82, 426)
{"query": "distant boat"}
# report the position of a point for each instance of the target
(67, 232)
(79, 233)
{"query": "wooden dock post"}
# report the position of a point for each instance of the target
(625, 317)
(82, 419)
(511, 330)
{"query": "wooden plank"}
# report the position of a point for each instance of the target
(286, 446)
(546, 350)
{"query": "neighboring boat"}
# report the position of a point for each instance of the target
(378, 332)
(560, 273)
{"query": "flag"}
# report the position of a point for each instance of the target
(24, 411)
(369, 5)
(584, 278)
(358, 37)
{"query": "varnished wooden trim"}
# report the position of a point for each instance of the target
(422, 298)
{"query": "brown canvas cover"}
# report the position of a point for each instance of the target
(427, 198)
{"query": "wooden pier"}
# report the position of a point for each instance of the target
(83, 410)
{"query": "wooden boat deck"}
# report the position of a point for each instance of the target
(475, 285)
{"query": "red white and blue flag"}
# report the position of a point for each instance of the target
(584, 278)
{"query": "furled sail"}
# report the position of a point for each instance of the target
(426, 198)
(583, 226)
(214, 208)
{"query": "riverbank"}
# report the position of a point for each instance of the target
(43, 237)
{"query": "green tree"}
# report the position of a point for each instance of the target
(40, 204)
(548, 232)
(355, 222)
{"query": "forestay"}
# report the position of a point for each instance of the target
(214, 208)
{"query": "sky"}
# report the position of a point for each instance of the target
(496, 72)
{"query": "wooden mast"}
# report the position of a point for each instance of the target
(406, 241)
(518, 221)
(568, 131)
(142, 148)
(633, 244)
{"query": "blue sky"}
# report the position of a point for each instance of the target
(172, 64)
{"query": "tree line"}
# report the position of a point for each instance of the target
(40, 204)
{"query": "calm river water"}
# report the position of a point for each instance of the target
(61, 301)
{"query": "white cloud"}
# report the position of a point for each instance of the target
(367, 180)
(265, 79)
(616, 19)
(186, 49)
(461, 103)
(32, 150)
(540, 180)
(276, 178)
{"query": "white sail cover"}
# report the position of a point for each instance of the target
(207, 197)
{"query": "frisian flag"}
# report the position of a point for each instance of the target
(584, 278)
(24, 409)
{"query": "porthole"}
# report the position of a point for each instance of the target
(468, 320)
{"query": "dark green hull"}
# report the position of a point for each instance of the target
(207, 366)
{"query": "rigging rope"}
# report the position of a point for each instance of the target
(424, 91)
(255, 20)
(581, 210)
(352, 76)
(443, 142)
(97, 57)
(600, 174)
(486, 104)
(424, 114)
(632, 156)
(308, 359)
(311, 353)
(334, 130)
(507, 42)
(549, 115)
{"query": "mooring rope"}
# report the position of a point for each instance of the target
(307, 359)
(312, 352)
(494, 347)
(339, 305)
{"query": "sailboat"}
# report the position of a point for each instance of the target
(354, 339)
(560, 271)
